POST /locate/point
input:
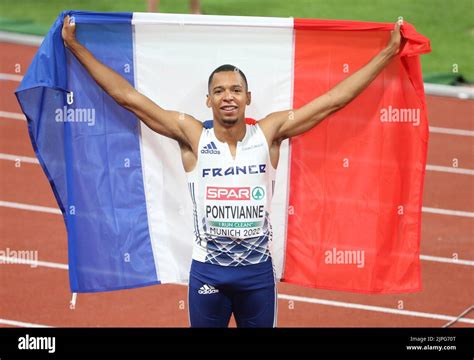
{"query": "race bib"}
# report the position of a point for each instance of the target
(235, 212)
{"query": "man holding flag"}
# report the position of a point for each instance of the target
(230, 163)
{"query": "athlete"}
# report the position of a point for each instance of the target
(230, 163)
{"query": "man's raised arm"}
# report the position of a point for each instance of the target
(181, 127)
(285, 124)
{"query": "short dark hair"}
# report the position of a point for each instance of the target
(227, 67)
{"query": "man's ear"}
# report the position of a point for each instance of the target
(208, 101)
(249, 97)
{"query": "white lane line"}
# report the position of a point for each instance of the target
(5, 260)
(22, 324)
(460, 92)
(30, 207)
(373, 308)
(449, 131)
(32, 40)
(447, 260)
(26, 159)
(11, 77)
(449, 169)
(431, 210)
(464, 313)
(14, 116)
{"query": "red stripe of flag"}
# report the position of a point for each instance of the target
(356, 179)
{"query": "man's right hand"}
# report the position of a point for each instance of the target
(68, 32)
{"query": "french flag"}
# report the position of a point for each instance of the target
(346, 212)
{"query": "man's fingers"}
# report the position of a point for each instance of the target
(398, 24)
(69, 21)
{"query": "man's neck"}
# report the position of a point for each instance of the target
(232, 134)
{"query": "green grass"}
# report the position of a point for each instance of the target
(448, 23)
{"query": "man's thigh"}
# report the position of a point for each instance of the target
(208, 307)
(255, 308)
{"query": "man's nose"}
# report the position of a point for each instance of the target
(228, 95)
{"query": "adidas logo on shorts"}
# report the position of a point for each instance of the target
(207, 289)
(210, 148)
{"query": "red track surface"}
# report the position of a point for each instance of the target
(41, 295)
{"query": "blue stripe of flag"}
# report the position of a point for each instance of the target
(94, 166)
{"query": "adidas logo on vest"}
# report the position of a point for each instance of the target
(207, 289)
(210, 148)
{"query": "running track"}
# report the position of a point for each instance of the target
(40, 296)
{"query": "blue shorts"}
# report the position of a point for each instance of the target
(216, 292)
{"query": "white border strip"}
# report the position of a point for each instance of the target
(151, 225)
(460, 92)
(211, 20)
(43, 209)
(21, 39)
(373, 308)
(11, 77)
(10, 115)
(450, 131)
(22, 324)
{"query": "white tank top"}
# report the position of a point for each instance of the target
(231, 199)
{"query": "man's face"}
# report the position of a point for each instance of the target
(228, 97)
